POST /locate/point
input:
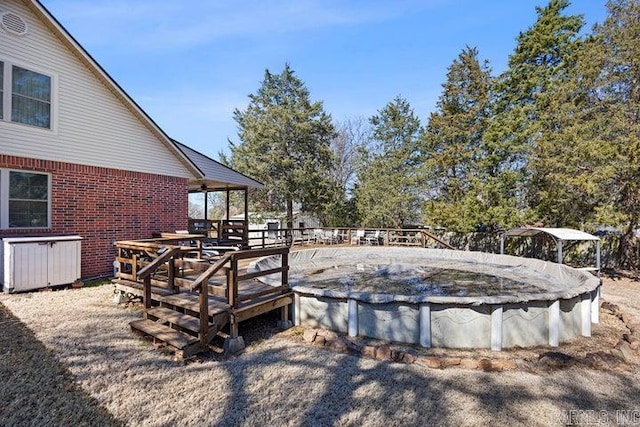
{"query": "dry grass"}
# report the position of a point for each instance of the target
(81, 335)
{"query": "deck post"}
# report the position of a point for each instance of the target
(134, 267)
(203, 299)
(171, 273)
(232, 279)
(284, 314)
(147, 294)
(232, 289)
(245, 226)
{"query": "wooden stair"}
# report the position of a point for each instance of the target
(184, 344)
(175, 322)
(188, 301)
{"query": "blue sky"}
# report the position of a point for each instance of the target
(189, 64)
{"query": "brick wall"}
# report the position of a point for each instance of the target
(105, 205)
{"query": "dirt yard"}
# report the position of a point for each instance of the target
(69, 358)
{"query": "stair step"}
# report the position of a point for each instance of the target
(191, 301)
(177, 339)
(185, 321)
(137, 288)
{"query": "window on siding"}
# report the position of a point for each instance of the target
(25, 199)
(31, 98)
(25, 96)
(1, 89)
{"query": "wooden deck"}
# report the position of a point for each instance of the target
(188, 301)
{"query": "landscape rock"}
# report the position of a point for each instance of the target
(499, 365)
(337, 345)
(309, 335)
(368, 351)
(626, 318)
(319, 340)
(626, 351)
(448, 362)
(430, 362)
(613, 308)
(634, 327)
(408, 358)
(383, 352)
(467, 363)
(487, 365)
(329, 335)
(604, 360)
(556, 360)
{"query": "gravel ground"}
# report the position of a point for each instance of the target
(69, 358)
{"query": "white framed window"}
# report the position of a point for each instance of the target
(25, 199)
(26, 95)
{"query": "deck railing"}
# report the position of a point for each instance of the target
(259, 238)
(162, 264)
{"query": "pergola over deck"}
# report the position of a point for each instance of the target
(217, 177)
(559, 236)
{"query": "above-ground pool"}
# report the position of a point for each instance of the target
(440, 298)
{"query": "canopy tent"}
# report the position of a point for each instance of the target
(558, 235)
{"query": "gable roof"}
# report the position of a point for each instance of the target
(216, 175)
(72, 44)
(204, 169)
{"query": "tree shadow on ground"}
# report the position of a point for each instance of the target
(340, 389)
(36, 388)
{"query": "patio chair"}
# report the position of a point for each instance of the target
(358, 238)
(329, 237)
(318, 235)
(374, 238)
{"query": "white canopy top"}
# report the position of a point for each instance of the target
(558, 233)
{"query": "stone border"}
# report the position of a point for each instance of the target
(626, 352)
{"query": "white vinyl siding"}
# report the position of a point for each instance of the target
(92, 126)
(25, 199)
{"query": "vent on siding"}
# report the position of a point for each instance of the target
(13, 23)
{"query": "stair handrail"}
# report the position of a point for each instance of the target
(206, 275)
(437, 239)
(148, 269)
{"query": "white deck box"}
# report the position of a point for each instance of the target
(38, 262)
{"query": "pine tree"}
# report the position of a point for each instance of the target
(618, 119)
(541, 62)
(387, 194)
(285, 141)
(455, 155)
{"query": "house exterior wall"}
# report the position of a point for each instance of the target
(104, 205)
(91, 125)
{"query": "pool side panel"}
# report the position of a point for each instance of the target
(460, 326)
(394, 322)
(570, 318)
(328, 313)
(525, 325)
